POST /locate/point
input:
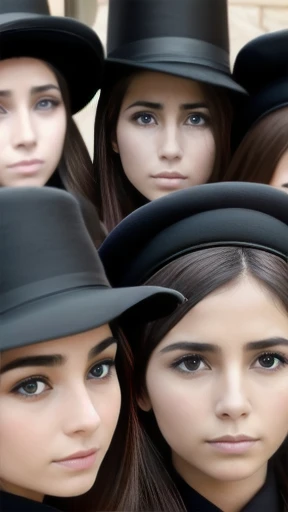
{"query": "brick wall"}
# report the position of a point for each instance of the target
(247, 19)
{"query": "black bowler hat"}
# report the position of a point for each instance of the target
(211, 215)
(186, 38)
(261, 67)
(28, 30)
(52, 282)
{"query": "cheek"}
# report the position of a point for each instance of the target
(204, 144)
(108, 406)
(175, 403)
(22, 433)
(132, 149)
(274, 406)
(53, 135)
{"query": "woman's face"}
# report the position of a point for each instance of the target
(32, 122)
(58, 399)
(280, 176)
(164, 134)
(218, 385)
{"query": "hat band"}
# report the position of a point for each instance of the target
(271, 98)
(174, 49)
(41, 289)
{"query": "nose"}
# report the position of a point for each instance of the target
(81, 415)
(170, 143)
(232, 400)
(24, 132)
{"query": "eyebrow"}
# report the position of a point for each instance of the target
(53, 360)
(192, 346)
(34, 90)
(264, 344)
(160, 106)
(284, 185)
(208, 347)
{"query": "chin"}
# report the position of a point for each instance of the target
(233, 471)
(75, 487)
(33, 182)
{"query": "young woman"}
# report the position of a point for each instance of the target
(164, 114)
(41, 87)
(65, 364)
(212, 378)
(260, 131)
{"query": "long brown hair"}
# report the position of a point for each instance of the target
(258, 154)
(131, 477)
(115, 195)
(196, 275)
(75, 167)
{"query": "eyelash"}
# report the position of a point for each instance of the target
(283, 361)
(44, 380)
(205, 118)
(54, 103)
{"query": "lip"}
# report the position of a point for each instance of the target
(25, 163)
(79, 461)
(170, 176)
(233, 444)
(233, 439)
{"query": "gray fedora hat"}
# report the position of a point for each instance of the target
(52, 282)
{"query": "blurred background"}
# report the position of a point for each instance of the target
(247, 19)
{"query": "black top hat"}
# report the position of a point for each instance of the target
(261, 67)
(218, 214)
(52, 283)
(28, 30)
(186, 38)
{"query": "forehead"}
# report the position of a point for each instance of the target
(160, 84)
(26, 69)
(76, 344)
(234, 315)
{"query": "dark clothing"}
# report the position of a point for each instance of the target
(12, 503)
(266, 500)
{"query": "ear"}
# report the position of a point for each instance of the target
(144, 402)
(115, 145)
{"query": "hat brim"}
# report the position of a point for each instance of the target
(199, 73)
(80, 310)
(71, 47)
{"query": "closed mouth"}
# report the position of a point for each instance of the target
(170, 176)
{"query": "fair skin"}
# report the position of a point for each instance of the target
(32, 122)
(280, 176)
(223, 370)
(164, 126)
(57, 398)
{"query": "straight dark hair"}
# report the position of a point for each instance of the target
(115, 195)
(257, 156)
(75, 167)
(196, 275)
(131, 477)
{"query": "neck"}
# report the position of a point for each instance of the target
(228, 496)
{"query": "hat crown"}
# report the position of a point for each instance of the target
(44, 240)
(133, 20)
(28, 6)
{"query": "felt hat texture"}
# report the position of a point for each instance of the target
(28, 30)
(204, 216)
(52, 282)
(185, 38)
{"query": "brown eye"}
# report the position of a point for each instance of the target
(190, 364)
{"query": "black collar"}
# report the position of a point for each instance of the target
(266, 500)
(12, 503)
